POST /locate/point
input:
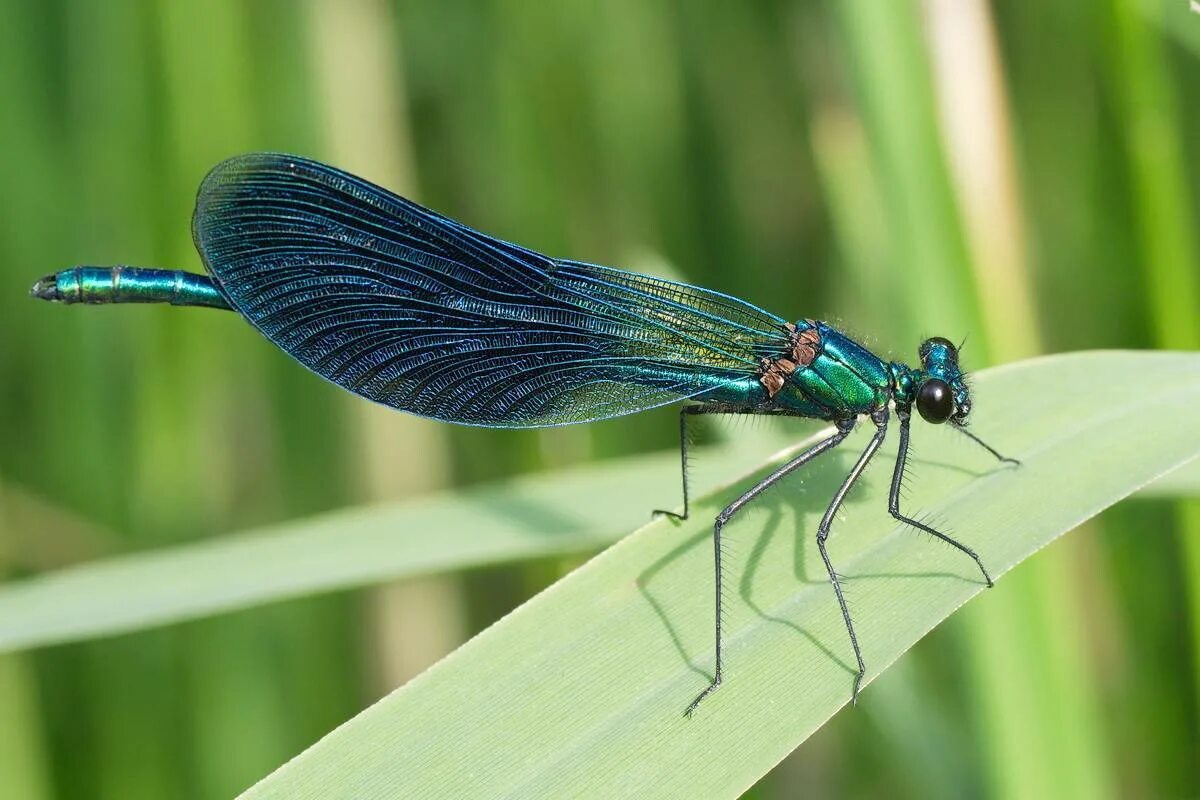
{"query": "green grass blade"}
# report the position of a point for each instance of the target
(580, 692)
(570, 511)
(1181, 482)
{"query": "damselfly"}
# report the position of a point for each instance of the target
(405, 307)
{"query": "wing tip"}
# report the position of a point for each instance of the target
(233, 171)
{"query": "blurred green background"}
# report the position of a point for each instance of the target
(1020, 173)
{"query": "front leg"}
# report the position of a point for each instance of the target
(894, 495)
(1001, 458)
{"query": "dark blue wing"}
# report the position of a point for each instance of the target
(408, 308)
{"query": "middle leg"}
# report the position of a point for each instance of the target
(880, 418)
(843, 430)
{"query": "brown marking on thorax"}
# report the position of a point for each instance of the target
(802, 350)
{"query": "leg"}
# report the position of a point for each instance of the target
(986, 446)
(880, 418)
(894, 496)
(684, 413)
(843, 430)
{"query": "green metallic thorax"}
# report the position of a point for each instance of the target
(843, 380)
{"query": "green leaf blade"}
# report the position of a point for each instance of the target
(580, 692)
(566, 512)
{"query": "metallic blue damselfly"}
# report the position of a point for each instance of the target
(405, 307)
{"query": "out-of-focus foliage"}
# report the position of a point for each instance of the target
(1015, 173)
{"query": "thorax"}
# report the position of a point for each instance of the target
(824, 373)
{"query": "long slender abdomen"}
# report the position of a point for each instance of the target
(99, 285)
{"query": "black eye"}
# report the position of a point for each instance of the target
(934, 401)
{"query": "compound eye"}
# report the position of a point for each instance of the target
(934, 401)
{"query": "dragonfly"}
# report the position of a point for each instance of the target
(411, 309)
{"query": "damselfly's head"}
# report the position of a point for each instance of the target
(941, 392)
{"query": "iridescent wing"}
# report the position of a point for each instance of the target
(408, 308)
